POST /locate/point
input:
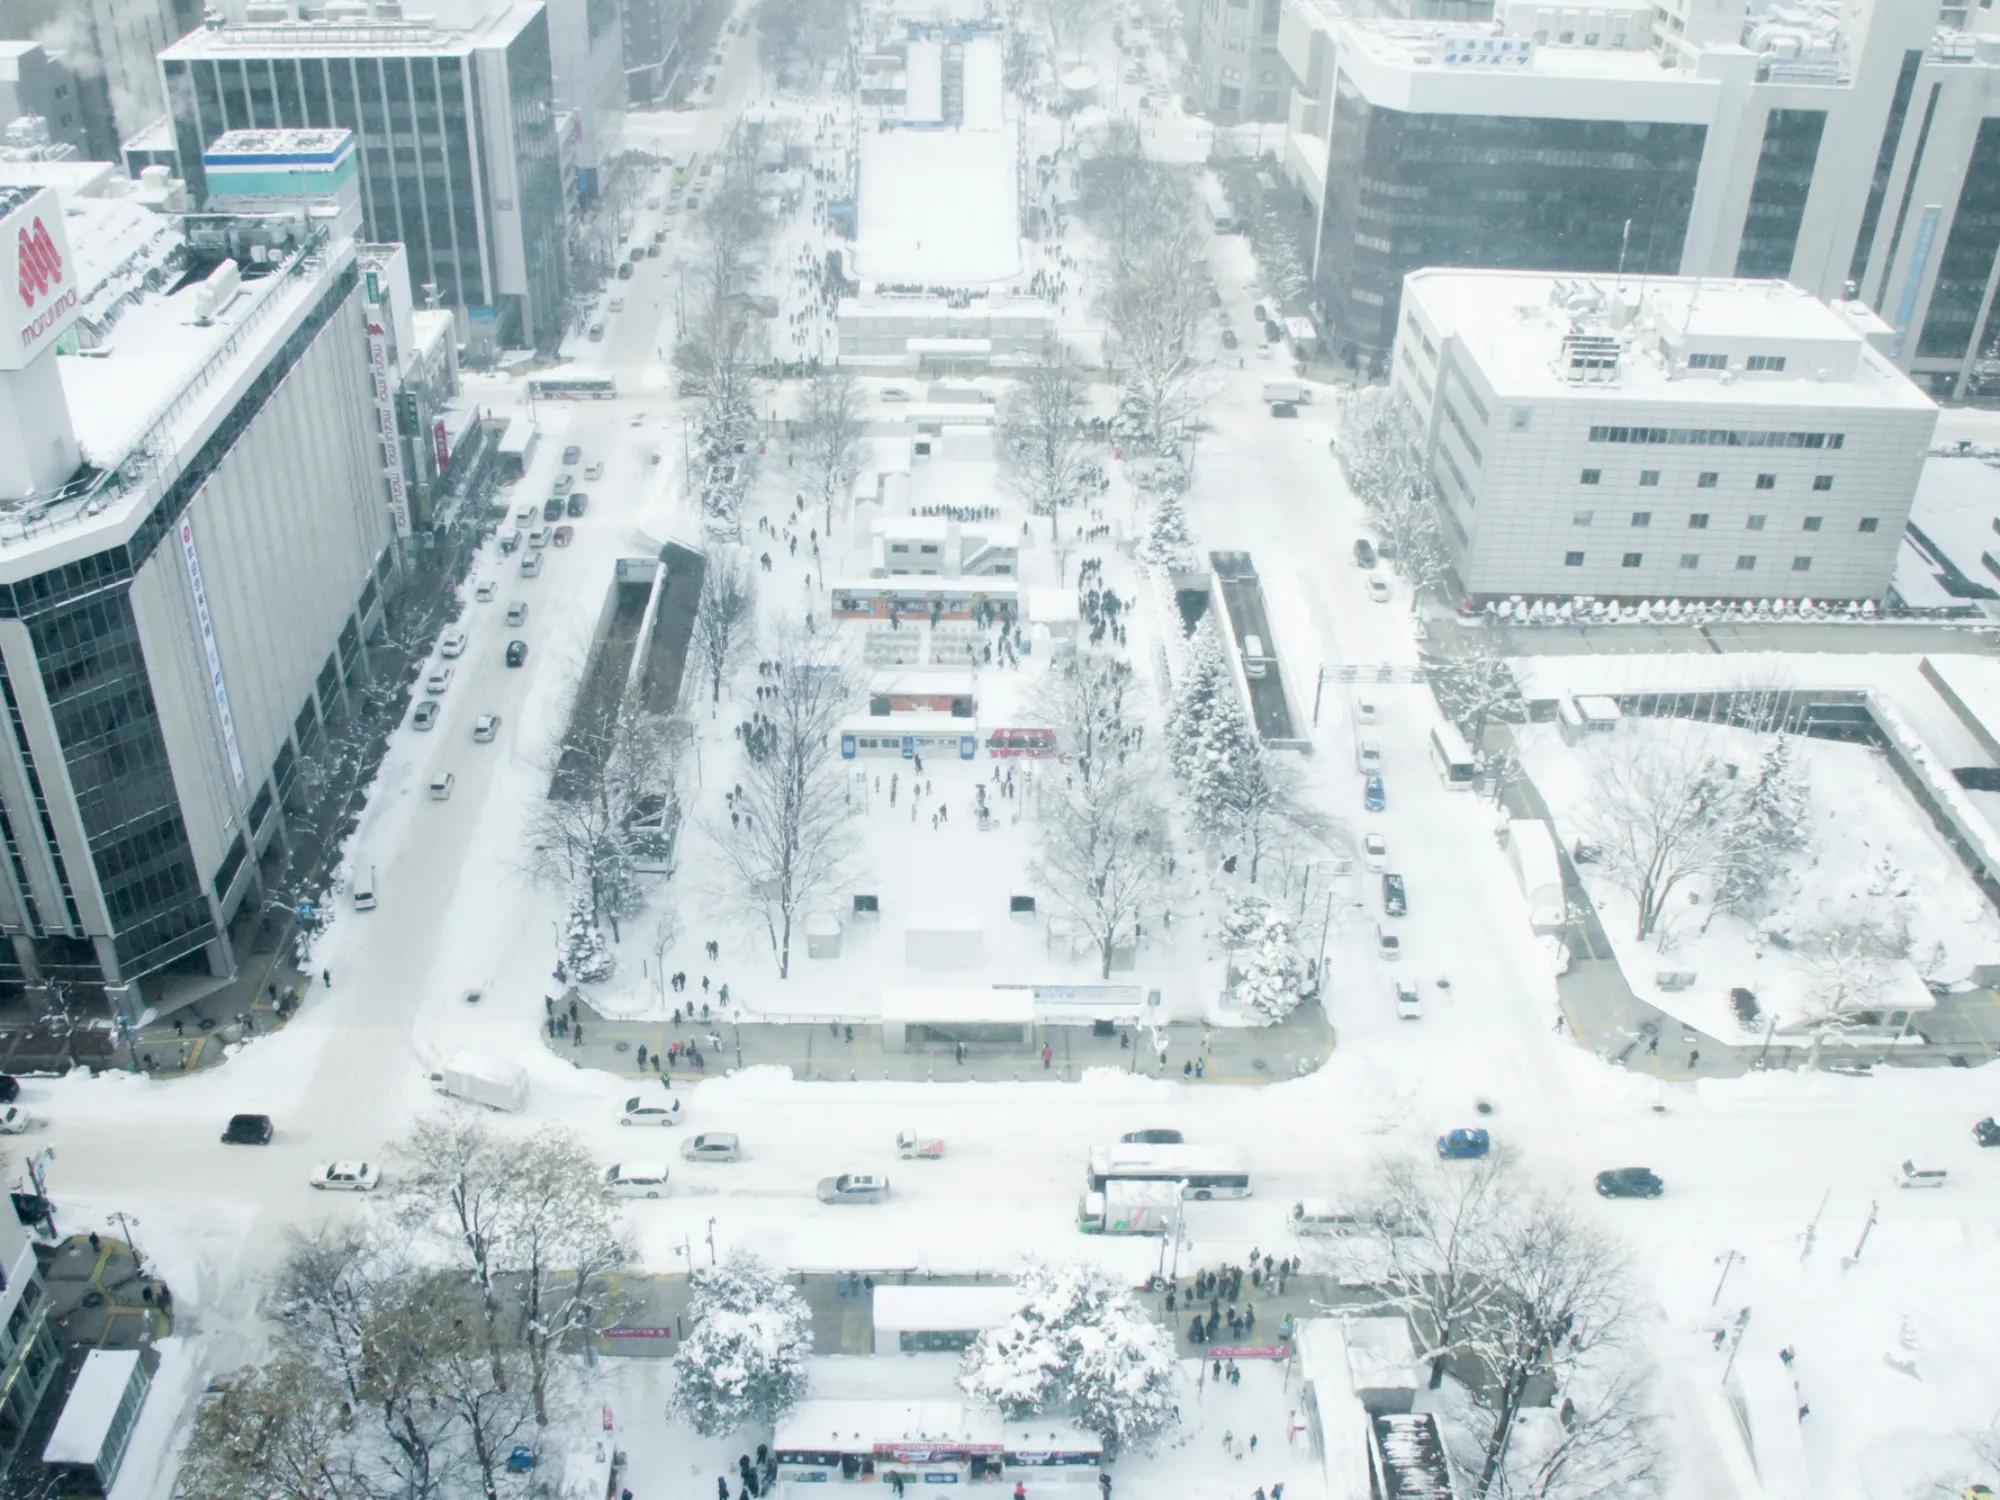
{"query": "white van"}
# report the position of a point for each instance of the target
(1295, 391)
(364, 889)
(1253, 656)
(1321, 1218)
(636, 1179)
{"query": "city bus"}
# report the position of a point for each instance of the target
(1452, 758)
(570, 386)
(935, 735)
(1204, 1171)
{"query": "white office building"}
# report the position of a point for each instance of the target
(1826, 142)
(1660, 438)
(194, 536)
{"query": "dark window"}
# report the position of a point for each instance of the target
(1885, 164)
(1767, 481)
(1642, 518)
(1968, 253)
(260, 808)
(1698, 521)
(1802, 565)
(1753, 523)
(231, 863)
(1822, 481)
(1633, 559)
(1812, 522)
(1772, 362)
(1707, 480)
(1909, 191)
(1592, 476)
(1572, 559)
(1648, 478)
(1690, 559)
(1745, 563)
(1582, 518)
(1870, 523)
(1708, 361)
(1778, 192)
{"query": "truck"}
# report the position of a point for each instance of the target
(1129, 1207)
(484, 1080)
(1531, 850)
(1295, 391)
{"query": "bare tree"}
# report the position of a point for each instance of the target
(1154, 306)
(406, 1315)
(1475, 686)
(275, 1432)
(1851, 961)
(488, 1390)
(1087, 697)
(454, 1188)
(835, 450)
(1069, 23)
(789, 839)
(715, 360)
(1126, 195)
(1042, 455)
(1435, 1228)
(1103, 857)
(1659, 810)
(727, 604)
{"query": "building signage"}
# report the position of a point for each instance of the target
(38, 281)
(441, 445)
(932, 1453)
(1913, 279)
(206, 625)
(385, 414)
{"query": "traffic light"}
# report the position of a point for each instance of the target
(406, 414)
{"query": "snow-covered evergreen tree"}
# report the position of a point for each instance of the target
(1079, 1345)
(1223, 762)
(585, 959)
(1768, 826)
(1204, 681)
(1168, 543)
(744, 1359)
(1269, 972)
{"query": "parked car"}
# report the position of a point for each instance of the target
(484, 592)
(13, 1119)
(539, 537)
(10, 1088)
(524, 515)
(653, 252)
(894, 393)
(1366, 711)
(1910, 1175)
(1229, 339)
(441, 785)
(517, 613)
(451, 644)
(1387, 944)
(485, 729)
(1152, 1138)
(1409, 1004)
(426, 715)
(1364, 552)
(438, 681)
(1630, 1182)
(1372, 795)
(596, 333)
(346, 1176)
(1378, 590)
(564, 535)
(638, 1112)
(625, 271)
(531, 565)
(593, 472)
(552, 508)
(247, 1130)
(1464, 1144)
(579, 502)
(1284, 409)
(713, 1145)
(1394, 901)
(1375, 852)
(573, 454)
(517, 653)
(1987, 1132)
(854, 1187)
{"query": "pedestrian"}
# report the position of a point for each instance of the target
(549, 1004)
(1560, 1020)
(97, 1248)
(1694, 1059)
(1228, 1437)
(1047, 1057)
(326, 979)
(1653, 1046)
(572, 1012)
(721, 1488)
(1253, 1442)
(642, 1054)
(552, 1027)
(576, 1035)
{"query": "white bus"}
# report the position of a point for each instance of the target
(1452, 758)
(1207, 1171)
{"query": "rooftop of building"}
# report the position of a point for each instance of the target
(348, 34)
(270, 147)
(1526, 331)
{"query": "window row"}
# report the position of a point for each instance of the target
(1774, 363)
(1707, 479)
(1698, 521)
(1717, 437)
(1746, 562)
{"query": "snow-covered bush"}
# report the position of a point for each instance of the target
(585, 959)
(1269, 972)
(744, 1359)
(1079, 1345)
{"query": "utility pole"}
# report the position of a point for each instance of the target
(125, 1226)
(1860, 1244)
(1728, 1258)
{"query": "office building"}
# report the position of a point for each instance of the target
(110, 46)
(196, 537)
(1660, 438)
(36, 85)
(1233, 65)
(657, 37)
(1818, 142)
(456, 138)
(29, 1359)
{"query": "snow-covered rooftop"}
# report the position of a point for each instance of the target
(93, 1402)
(938, 208)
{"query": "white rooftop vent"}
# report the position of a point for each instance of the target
(214, 294)
(1590, 358)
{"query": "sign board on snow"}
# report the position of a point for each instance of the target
(38, 280)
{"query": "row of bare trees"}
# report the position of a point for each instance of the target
(414, 1349)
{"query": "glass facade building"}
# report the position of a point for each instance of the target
(455, 134)
(1409, 190)
(1785, 165)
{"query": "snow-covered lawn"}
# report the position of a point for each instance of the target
(1870, 854)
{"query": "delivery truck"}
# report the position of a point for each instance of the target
(484, 1080)
(1128, 1207)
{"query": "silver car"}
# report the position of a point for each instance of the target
(637, 1112)
(713, 1145)
(854, 1187)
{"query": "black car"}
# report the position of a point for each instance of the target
(625, 271)
(1152, 1138)
(1364, 552)
(1394, 902)
(1229, 339)
(1284, 409)
(1986, 1132)
(1630, 1182)
(552, 508)
(10, 1088)
(248, 1130)
(579, 502)
(517, 653)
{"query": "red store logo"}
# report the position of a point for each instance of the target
(40, 266)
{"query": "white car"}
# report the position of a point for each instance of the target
(637, 1112)
(517, 613)
(441, 786)
(714, 1145)
(346, 1176)
(894, 393)
(1409, 1006)
(1387, 944)
(854, 1187)
(1910, 1175)
(524, 515)
(485, 592)
(1378, 588)
(1375, 852)
(638, 419)
(594, 471)
(531, 564)
(1366, 712)
(438, 681)
(539, 537)
(452, 644)
(485, 728)
(13, 1120)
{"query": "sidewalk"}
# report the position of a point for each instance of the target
(836, 1052)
